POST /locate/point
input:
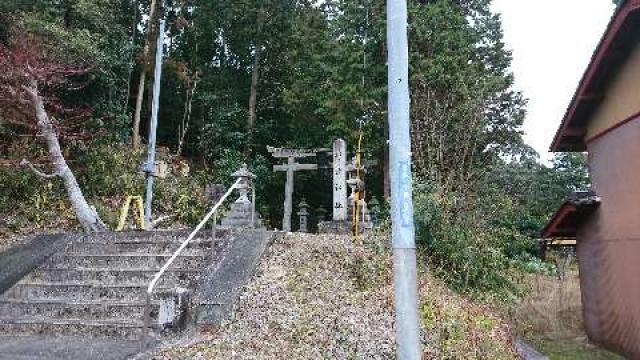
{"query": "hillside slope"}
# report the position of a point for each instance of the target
(320, 297)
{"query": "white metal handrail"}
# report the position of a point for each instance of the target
(185, 243)
(213, 212)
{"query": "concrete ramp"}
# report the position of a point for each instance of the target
(223, 281)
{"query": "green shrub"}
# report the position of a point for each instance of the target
(17, 187)
(535, 265)
(29, 203)
(469, 254)
(111, 170)
(181, 197)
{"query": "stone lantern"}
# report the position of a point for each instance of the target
(374, 206)
(321, 213)
(242, 212)
(303, 214)
(246, 177)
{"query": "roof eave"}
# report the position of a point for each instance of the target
(581, 208)
(571, 137)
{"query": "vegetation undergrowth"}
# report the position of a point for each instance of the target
(468, 250)
(108, 173)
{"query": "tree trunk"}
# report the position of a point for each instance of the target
(253, 94)
(68, 13)
(253, 98)
(143, 75)
(136, 114)
(132, 63)
(186, 118)
(254, 91)
(87, 215)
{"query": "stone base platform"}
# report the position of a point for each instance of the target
(342, 227)
(335, 227)
(239, 216)
(66, 348)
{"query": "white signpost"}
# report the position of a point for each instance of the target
(339, 180)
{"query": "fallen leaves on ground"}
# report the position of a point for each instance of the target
(321, 297)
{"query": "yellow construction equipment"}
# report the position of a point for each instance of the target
(138, 213)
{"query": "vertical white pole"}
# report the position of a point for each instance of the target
(253, 204)
(151, 159)
(213, 234)
(404, 248)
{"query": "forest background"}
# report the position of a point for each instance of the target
(241, 75)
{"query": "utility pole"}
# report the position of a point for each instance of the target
(149, 167)
(403, 231)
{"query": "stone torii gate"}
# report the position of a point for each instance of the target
(290, 168)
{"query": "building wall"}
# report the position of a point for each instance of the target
(622, 99)
(609, 242)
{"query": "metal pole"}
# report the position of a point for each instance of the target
(151, 159)
(213, 235)
(404, 247)
(253, 205)
(146, 323)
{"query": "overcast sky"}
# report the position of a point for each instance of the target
(552, 42)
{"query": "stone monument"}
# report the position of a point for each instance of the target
(339, 180)
(340, 220)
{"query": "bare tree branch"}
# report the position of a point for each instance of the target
(27, 163)
(158, 221)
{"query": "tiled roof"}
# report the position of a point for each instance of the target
(572, 214)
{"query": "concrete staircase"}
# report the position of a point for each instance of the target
(95, 286)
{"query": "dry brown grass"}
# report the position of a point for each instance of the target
(553, 307)
(550, 317)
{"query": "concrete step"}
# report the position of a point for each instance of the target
(196, 247)
(96, 286)
(176, 237)
(79, 310)
(123, 261)
(113, 276)
(129, 330)
(37, 347)
(77, 291)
